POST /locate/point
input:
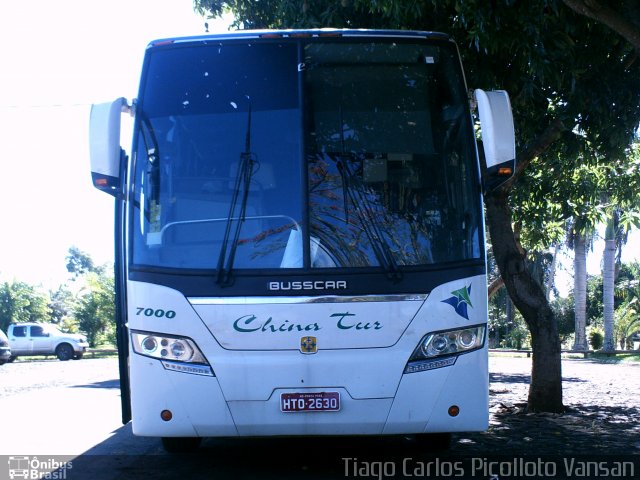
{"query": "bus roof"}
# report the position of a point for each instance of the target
(301, 33)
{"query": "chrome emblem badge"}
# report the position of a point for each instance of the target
(308, 345)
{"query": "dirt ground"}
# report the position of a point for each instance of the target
(602, 412)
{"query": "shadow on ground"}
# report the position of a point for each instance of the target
(582, 429)
(103, 384)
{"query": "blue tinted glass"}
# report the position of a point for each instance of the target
(202, 111)
(388, 149)
(391, 158)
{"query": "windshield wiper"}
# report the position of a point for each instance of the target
(242, 185)
(356, 192)
(364, 210)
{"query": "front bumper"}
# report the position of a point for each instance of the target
(420, 404)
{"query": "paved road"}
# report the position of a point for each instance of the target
(72, 408)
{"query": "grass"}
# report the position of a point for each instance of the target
(617, 358)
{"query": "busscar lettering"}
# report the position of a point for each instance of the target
(308, 285)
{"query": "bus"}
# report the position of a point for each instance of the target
(299, 235)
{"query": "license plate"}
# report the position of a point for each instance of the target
(310, 402)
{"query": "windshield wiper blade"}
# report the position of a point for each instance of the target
(369, 222)
(242, 185)
(358, 196)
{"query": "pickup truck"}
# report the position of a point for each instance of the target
(45, 339)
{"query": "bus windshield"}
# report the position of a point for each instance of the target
(304, 154)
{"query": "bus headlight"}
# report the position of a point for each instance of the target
(441, 349)
(177, 353)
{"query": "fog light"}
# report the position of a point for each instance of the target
(453, 411)
(166, 415)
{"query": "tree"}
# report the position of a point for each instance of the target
(580, 290)
(622, 16)
(95, 309)
(627, 322)
(79, 263)
(21, 302)
(60, 303)
(627, 304)
(624, 209)
(587, 182)
(573, 87)
(608, 282)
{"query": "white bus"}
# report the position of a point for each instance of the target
(299, 236)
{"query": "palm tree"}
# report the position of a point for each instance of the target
(578, 240)
(608, 282)
(622, 203)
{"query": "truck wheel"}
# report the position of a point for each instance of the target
(64, 352)
(181, 444)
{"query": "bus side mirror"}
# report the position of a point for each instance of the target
(498, 136)
(104, 144)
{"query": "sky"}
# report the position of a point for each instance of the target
(59, 57)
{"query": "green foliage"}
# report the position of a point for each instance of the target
(61, 302)
(90, 311)
(626, 289)
(505, 332)
(21, 302)
(565, 316)
(595, 308)
(518, 337)
(95, 309)
(627, 322)
(596, 339)
(627, 303)
(80, 263)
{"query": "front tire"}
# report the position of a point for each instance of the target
(64, 352)
(181, 444)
